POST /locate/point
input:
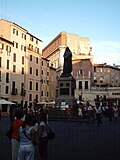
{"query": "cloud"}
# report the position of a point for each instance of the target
(106, 52)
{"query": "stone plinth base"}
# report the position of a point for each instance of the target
(66, 87)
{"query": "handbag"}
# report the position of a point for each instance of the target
(50, 133)
(34, 139)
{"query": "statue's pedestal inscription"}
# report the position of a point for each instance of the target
(66, 86)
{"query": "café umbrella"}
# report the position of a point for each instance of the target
(3, 101)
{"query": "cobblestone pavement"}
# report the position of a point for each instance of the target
(75, 141)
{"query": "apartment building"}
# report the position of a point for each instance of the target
(54, 51)
(93, 81)
(82, 72)
(22, 68)
(5, 67)
(52, 85)
(106, 75)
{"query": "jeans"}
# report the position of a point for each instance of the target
(26, 152)
(15, 149)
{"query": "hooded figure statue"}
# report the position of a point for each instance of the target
(67, 67)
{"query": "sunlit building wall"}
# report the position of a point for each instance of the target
(54, 51)
(25, 64)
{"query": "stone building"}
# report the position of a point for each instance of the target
(93, 81)
(54, 51)
(48, 82)
(21, 64)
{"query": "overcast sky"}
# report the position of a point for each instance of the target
(98, 20)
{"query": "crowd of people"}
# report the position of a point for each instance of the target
(29, 128)
(29, 121)
(95, 113)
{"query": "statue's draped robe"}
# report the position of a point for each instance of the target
(67, 67)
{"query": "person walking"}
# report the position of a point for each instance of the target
(98, 110)
(17, 122)
(80, 114)
(69, 116)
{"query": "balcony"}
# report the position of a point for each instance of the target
(23, 92)
(14, 91)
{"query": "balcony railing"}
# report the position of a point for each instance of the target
(14, 91)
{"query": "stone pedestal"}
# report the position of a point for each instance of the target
(65, 88)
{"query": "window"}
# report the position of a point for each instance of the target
(31, 38)
(0, 61)
(42, 72)
(30, 57)
(15, 31)
(36, 41)
(36, 49)
(104, 97)
(14, 57)
(23, 36)
(37, 60)
(15, 44)
(101, 79)
(94, 69)
(30, 70)
(47, 82)
(80, 72)
(22, 70)
(13, 85)
(7, 77)
(24, 48)
(22, 60)
(8, 49)
(30, 87)
(14, 68)
(0, 76)
(47, 73)
(30, 47)
(80, 84)
(42, 63)
(6, 89)
(1, 47)
(41, 93)
(86, 84)
(95, 79)
(47, 94)
(36, 86)
(7, 64)
(36, 72)
(30, 97)
(36, 98)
